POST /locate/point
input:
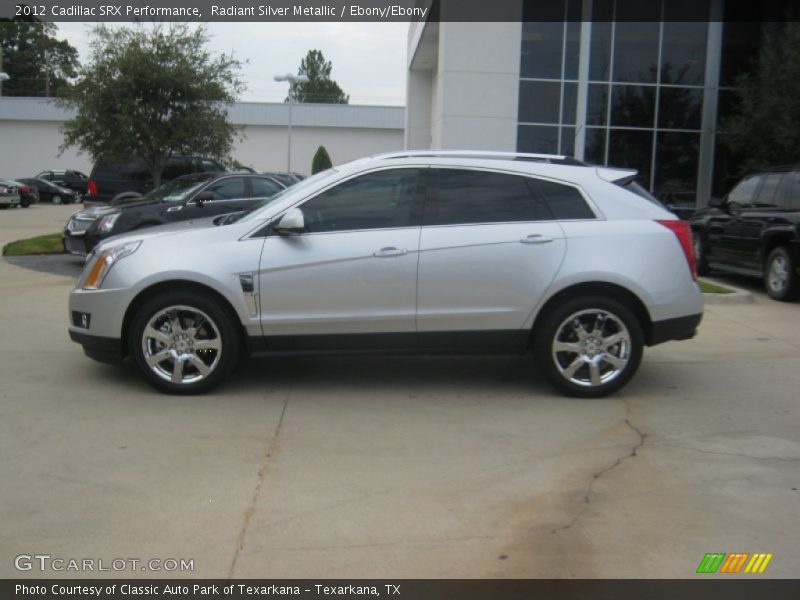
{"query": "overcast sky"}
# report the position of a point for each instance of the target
(369, 59)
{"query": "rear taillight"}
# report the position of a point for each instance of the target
(91, 188)
(24, 189)
(683, 231)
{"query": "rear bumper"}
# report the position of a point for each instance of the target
(102, 349)
(680, 328)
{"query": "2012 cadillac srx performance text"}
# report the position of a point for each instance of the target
(427, 252)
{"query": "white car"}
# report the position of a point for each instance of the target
(426, 252)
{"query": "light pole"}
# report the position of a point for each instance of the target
(293, 80)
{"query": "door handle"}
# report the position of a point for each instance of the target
(390, 251)
(536, 238)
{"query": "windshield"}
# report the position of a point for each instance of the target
(179, 189)
(310, 181)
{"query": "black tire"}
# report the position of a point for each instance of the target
(780, 275)
(557, 324)
(25, 203)
(223, 331)
(700, 260)
(55, 199)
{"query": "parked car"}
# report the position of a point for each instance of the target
(188, 197)
(68, 178)
(28, 195)
(9, 193)
(50, 192)
(430, 252)
(111, 180)
(755, 230)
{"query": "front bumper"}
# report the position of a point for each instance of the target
(102, 349)
(9, 200)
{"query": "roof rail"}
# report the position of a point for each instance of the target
(549, 158)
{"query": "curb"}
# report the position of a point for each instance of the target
(739, 296)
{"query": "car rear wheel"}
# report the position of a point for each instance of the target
(56, 199)
(589, 347)
(25, 203)
(780, 275)
(183, 343)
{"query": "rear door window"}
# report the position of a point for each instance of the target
(744, 193)
(264, 187)
(463, 196)
(767, 194)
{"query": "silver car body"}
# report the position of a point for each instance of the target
(452, 278)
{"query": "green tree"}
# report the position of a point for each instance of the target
(152, 92)
(764, 126)
(321, 160)
(320, 88)
(38, 64)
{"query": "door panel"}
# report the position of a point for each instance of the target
(339, 282)
(355, 270)
(485, 277)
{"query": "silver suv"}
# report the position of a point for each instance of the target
(426, 252)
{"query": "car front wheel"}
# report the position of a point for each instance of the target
(183, 343)
(780, 275)
(701, 264)
(589, 347)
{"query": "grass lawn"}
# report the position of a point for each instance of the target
(712, 288)
(43, 244)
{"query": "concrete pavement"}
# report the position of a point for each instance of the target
(398, 467)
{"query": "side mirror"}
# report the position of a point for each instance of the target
(292, 223)
(716, 202)
(202, 198)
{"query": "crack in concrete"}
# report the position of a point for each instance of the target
(599, 474)
(251, 507)
(737, 454)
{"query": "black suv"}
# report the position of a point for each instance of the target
(755, 230)
(110, 180)
(188, 197)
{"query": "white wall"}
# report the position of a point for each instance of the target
(472, 87)
(30, 135)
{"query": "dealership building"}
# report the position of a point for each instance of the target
(614, 82)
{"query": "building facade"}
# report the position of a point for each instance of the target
(30, 135)
(626, 83)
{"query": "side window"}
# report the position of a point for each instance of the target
(744, 193)
(769, 189)
(380, 200)
(227, 189)
(462, 196)
(264, 188)
(564, 201)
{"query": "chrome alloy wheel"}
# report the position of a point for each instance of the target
(778, 276)
(181, 344)
(591, 347)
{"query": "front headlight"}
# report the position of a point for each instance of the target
(106, 223)
(102, 263)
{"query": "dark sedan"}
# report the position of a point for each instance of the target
(189, 197)
(51, 192)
